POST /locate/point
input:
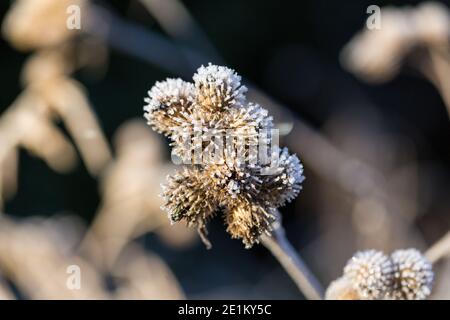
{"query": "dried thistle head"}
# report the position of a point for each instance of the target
(247, 220)
(376, 55)
(284, 184)
(212, 125)
(212, 106)
(190, 197)
(218, 87)
(371, 274)
(168, 104)
(413, 275)
(405, 275)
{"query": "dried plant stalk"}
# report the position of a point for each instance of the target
(294, 265)
(440, 69)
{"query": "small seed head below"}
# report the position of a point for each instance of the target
(413, 275)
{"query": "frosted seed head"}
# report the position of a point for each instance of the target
(167, 104)
(188, 197)
(284, 182)
(218, 87)
(231, 179)
(371, 274)
(413, 275)
(247, 221)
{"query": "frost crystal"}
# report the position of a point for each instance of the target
(219, 87)
(413, 275)
(216, 132)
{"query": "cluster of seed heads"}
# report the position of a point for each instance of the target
(405, 275)
(215, 105)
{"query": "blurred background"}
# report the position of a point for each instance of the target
(81, 171)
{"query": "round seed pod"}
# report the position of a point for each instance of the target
(413, 275)
(371, 274)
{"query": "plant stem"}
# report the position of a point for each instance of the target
(291, 261)
(440, 249)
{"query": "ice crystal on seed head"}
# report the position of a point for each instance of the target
(413, 277)
(432, 23)
(232, 180)
(247, 220)
(190, 196)
(168, 104)
(218, 87)
(371, 274)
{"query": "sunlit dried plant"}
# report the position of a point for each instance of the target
(376, 55)
(35, 253)
(216, 105)
(413, 277)
(416, 36)
(50, 94)
(144, 275)
(130, 185)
